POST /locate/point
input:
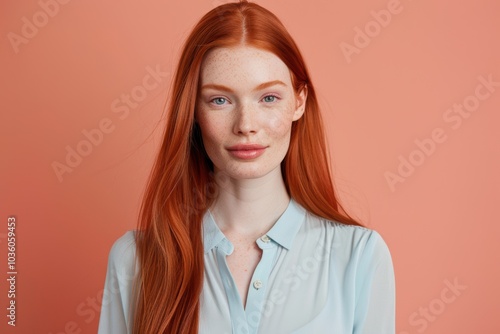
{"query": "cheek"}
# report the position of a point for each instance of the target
(279, 128)
(281, 123)
(211, 130)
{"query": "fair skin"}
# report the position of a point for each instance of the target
(247, 97)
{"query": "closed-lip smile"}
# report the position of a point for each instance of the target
(246, 151)
(245, 147)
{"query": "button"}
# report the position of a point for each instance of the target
(265, 238)
(257, 284)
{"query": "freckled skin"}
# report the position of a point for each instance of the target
(242, 263)
(244, 116)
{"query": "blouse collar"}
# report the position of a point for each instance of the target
(282, 232)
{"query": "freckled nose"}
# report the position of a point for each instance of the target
(245, 120)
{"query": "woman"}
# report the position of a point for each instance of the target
(240, 230)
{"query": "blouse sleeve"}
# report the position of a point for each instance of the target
(375, 289)
(116, 311)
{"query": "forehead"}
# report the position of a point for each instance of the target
(242, 66)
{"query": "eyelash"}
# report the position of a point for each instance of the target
(220, 97)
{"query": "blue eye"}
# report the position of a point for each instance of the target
(219, 100)
(273, 98)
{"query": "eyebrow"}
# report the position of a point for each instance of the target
(259, 87)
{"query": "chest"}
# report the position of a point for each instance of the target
(296, 287)
(242, 263)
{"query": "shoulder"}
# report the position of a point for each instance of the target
(118, 303)
(122, 253)
(353, 241)
(365, 238)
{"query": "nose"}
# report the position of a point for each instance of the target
(245, 120)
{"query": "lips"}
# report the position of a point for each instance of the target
(246, 151)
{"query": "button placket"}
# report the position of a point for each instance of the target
(238, 316)
(257, 291)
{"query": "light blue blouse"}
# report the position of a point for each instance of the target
(315, 276)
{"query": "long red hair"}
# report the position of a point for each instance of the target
(182, 184)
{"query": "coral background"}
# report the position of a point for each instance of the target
(387, 73)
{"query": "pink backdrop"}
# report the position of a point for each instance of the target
(410, 92)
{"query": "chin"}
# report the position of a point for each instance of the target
(242, 171)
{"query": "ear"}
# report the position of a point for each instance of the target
(300, 104)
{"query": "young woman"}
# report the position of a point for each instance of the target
(240, 230)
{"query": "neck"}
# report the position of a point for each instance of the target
(250, 207)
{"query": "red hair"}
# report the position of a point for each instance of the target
(182, 184)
